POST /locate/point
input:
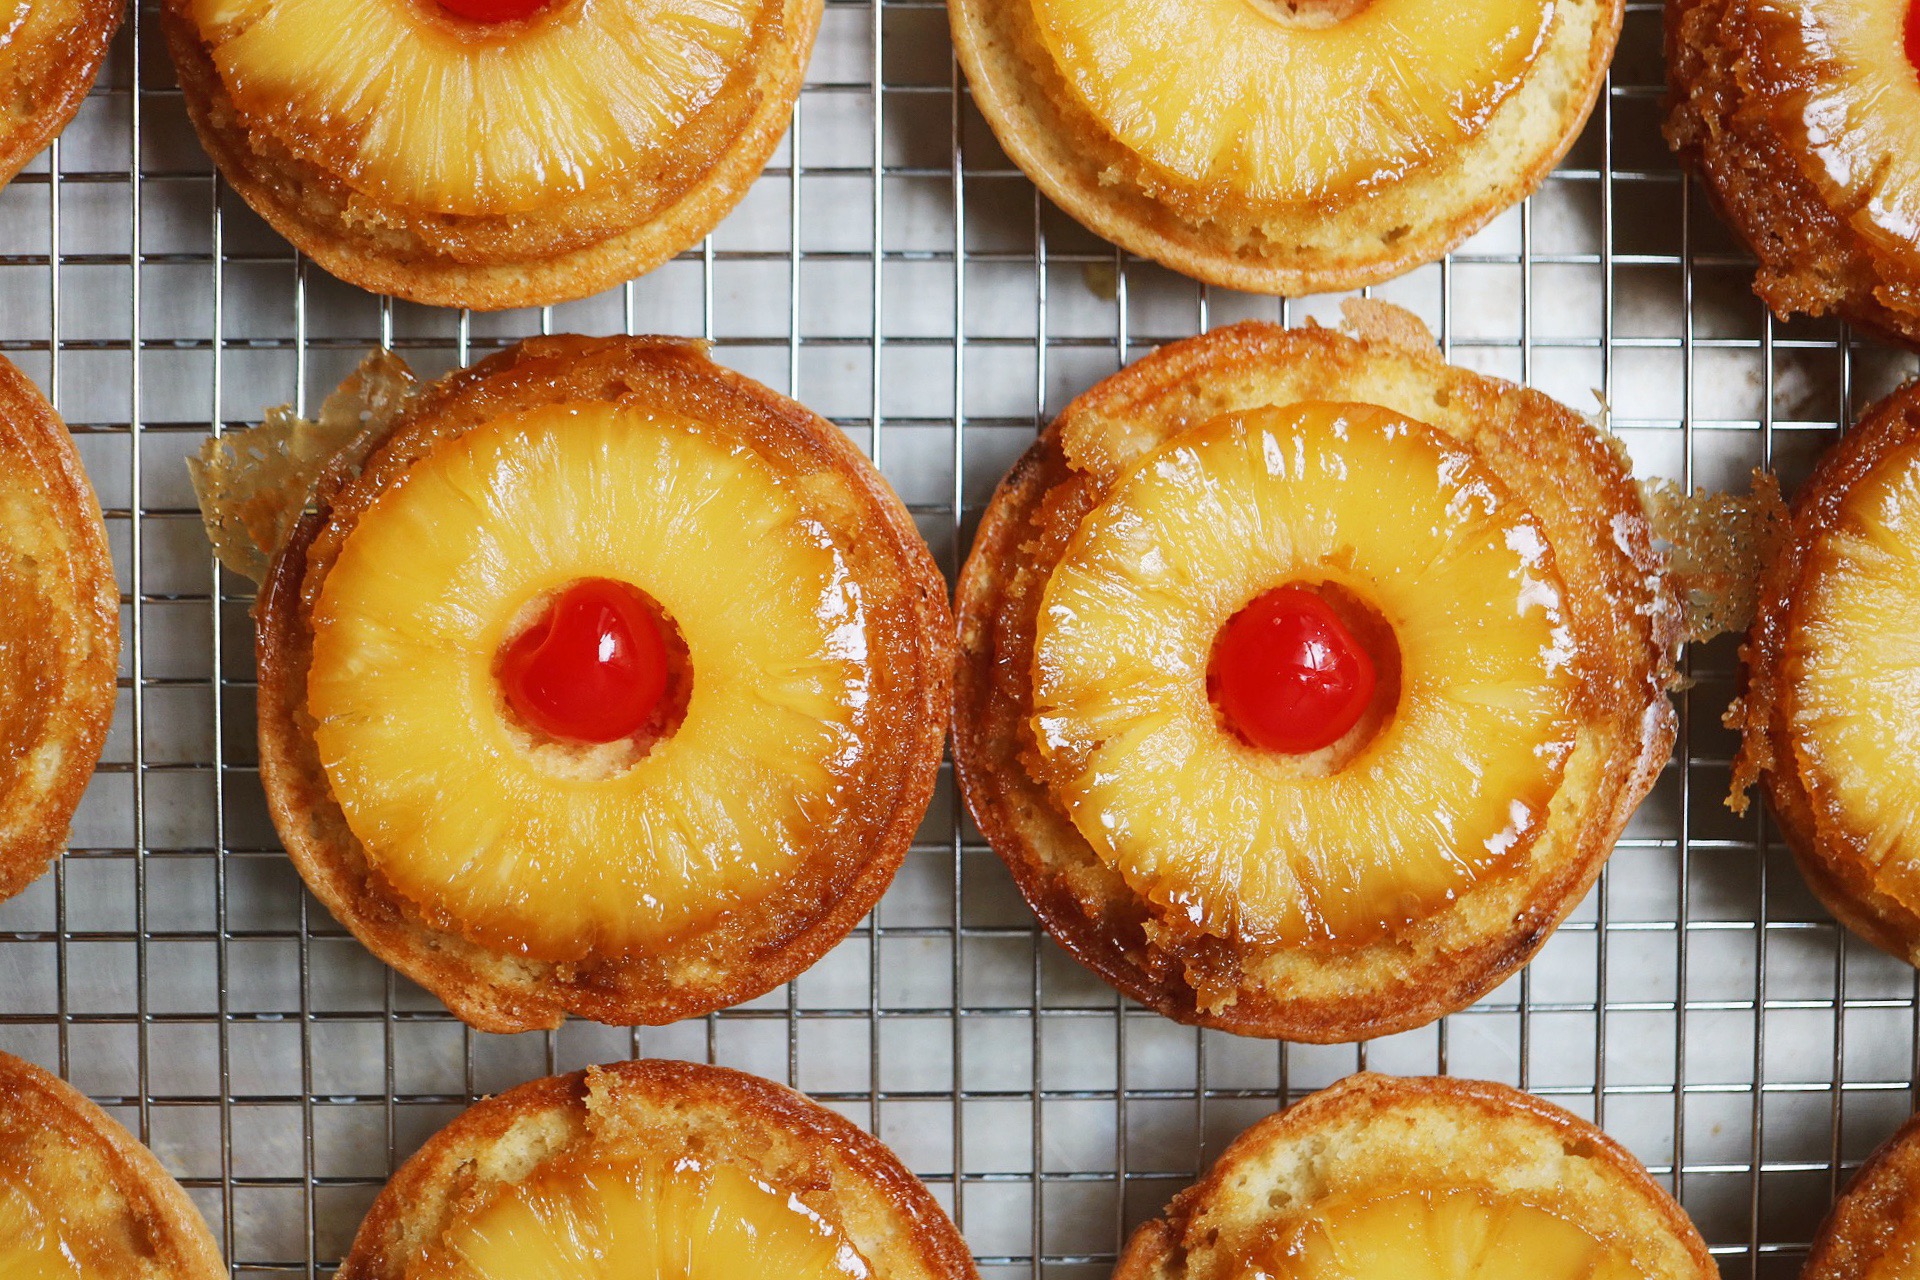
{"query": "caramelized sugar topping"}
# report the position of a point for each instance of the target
(1286, 101)
(29, 659)
(1849, 92)
(1462, 1234)
(1897, 1237)
(557, 849)
(1343, 845)
(17, 65)
(385, 94)
(596, 1219)
(32, 1243)
(1852, 659)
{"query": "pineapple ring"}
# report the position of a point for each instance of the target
(408, 709)
(1421, 1179)
(80, 1199)
(583, 91)
(33, 1245)
(592, 1218)
(1853, 664)
(1293, 112)
(1799, 114)
(1834, 680)
(1450, 1234)
(654, 1170)
(1272, 849)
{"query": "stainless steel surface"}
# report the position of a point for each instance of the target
(1700, 1004)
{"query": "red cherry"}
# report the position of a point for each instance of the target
(493, 10)
(1287, 673)
(1913, 35)
(593, 669)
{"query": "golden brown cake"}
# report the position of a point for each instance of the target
(1474, 554)
(491, 153)
(1425, 1179)
(48, 60)
(613, 684)
(1286, 146)
(594, 1175)
(1833, 680)
(1873, 1232)
(81, 1200)
(59, 632)
(1799, 115)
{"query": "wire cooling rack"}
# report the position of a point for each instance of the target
(893, 270)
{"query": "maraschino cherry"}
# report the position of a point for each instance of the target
(493, 10)
(1287, 673)
(1913, 35)
(593, 669)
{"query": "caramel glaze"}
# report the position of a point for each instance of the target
(59, 632)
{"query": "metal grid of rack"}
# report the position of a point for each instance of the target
(893, 270)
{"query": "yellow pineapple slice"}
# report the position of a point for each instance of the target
(645, 1220)
(408, 103)
(31, 1247)
(1855, 98)
(1443, 1235)
(1853, 660)
(532, 847)
(1264, 846)
(1275, 106)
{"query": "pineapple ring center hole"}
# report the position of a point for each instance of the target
(1313, 15)
(1373, 634)
(572, 758)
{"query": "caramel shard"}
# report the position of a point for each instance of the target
(254, 484)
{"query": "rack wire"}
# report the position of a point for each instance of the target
(896, 272)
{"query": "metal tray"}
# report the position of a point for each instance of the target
(893, 270)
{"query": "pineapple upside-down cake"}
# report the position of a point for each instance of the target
(610, 683)
(491, 153)
(1286, 146)
(654, 1170)
(1421, 1179)
(1306, 681)
(81, 1200)
(59, 632)
(1799, 115)
(1873, 1230)
(50, 54)
(1832, 691)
